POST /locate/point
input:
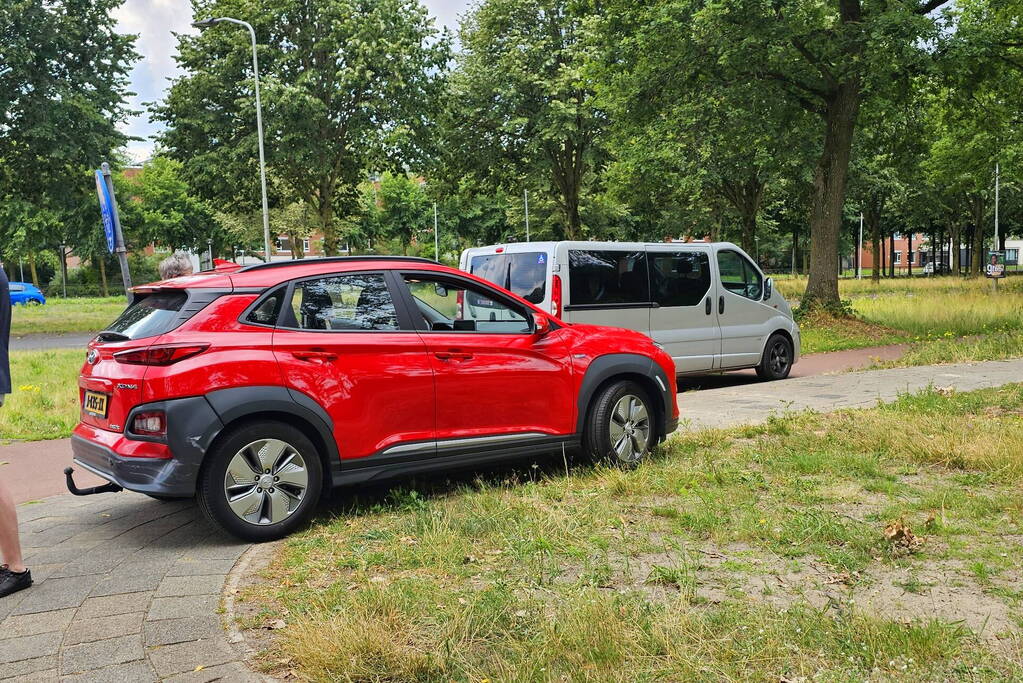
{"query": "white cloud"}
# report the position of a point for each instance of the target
(156, 21)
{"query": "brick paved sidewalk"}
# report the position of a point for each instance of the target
(128, 588)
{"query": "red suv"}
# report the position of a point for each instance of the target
(257, 390)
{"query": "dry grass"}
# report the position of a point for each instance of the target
(604, 575)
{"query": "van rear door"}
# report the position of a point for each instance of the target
(521, 269)
(684, 319)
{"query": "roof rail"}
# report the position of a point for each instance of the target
(334, 259)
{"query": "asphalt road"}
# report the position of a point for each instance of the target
(43, 342)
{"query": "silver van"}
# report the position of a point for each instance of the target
(707, 304)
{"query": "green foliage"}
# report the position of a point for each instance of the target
(63, 86)
(347, 85)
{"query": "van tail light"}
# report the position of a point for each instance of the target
(149, 423)
(556, 296)
(162, 354)
(460, 303)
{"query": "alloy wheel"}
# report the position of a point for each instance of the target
(266, 481)
(630, 428)
(779, 358)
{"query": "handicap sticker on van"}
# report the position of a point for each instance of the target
(541, 259)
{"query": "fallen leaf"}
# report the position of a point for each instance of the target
(199, 668)
(901, 537)
(945, 391)
(841, 577)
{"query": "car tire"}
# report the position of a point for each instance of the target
(776, 362)
(267, 504)
(621, 427)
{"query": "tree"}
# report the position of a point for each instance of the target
(682, 137)
(826, 57)
(404, 209)
(63, 88)
(347, 84)
(521, 112)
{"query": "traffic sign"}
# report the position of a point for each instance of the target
(106, 209)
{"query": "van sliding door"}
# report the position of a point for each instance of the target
(684, 319)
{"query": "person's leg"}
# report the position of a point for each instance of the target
(10, 546)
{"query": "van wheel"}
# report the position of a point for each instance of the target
(620, 427)
(777, 360)
(261, 481)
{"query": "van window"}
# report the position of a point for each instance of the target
(523, 273)
(739, 276)
(607, 277)
(679, 278)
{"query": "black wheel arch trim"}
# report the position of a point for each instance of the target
(604, 368)
(239, 403)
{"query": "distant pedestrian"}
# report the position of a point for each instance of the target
(175, 265)
(14, 575)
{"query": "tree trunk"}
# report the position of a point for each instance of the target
(909, 253)
(32, 269)
(978, 206)
(829, 193)
(891, 261)
(103, 274)
(795, 246)
(297, 251)
(325, 211)
(955, 238)
(884, 256)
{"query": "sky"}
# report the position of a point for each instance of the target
(155, 22)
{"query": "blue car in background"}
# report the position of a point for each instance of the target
(27, 294)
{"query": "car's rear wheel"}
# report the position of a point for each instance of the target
(620, 427)
(777, 360)
(261, 481)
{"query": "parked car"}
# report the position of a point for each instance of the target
(259, 390)
(26, 294)
(708, 304)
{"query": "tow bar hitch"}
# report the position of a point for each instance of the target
(109, 487)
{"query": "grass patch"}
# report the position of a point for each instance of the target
(60, 316)
(44, 403)
(821, 332)
(754, 553)
(998, 346)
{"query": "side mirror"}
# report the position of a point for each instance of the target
(440, 290)
(541, 325)
(768, 288)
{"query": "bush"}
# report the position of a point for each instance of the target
(85, 280)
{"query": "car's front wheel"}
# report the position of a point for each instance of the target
(777, 360)
(620, 427)
(261, 481)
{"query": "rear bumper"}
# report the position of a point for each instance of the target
(168, 467)
(145, 475)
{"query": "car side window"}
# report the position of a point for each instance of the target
(267, 311)
(356, 302)
(17, 288)
(679, 278)
(739, 276)
(452, 306)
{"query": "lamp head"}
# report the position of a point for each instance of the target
(204, 23)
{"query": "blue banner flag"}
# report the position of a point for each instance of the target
(106, 209)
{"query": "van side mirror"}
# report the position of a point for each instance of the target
(541, 325)
(768, 288)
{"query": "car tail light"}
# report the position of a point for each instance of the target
(163, 354)
(556, 296)
(150, 423)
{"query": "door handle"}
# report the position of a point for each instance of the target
(452, 355)
(707, 306)
(315, 354)
(721, 304)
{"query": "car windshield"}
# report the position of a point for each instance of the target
(523, 273)
(149, 316)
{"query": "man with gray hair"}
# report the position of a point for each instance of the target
(175, 265)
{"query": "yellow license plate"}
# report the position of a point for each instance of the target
(95, 404)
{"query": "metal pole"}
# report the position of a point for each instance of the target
(859, 252)
(436, 235)
(63, 270)
(997, 179)
(21, 267)
(122, 253)
(525, 197)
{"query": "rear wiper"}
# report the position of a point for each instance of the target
(111, 336)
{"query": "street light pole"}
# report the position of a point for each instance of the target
(436, 235)
(525, 199)
(205, 23)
